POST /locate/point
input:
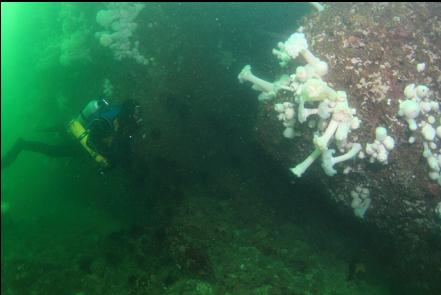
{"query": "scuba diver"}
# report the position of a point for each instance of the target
(105, 132)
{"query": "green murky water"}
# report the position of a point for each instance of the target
(201, 210)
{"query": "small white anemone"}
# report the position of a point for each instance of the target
(316, 90)
(258, 84)
(268, 89)
(438, 132)
(289, 114)
(422, 91)
(278, 107)
(281, 54)
(106, 39)
(410, 91)
(428, 132)
(304, 113)
(360, 201)
(302, 167)
(302, 74)
(328, 161)
(421, 67)
(324, 111)
(295, 43)
(410, 110)
(340, 125)
(380, 133)
(289, 133)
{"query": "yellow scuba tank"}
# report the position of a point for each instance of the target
(80, 133)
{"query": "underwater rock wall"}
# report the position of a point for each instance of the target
(373, 52)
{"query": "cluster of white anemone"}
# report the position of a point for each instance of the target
(434, 162)
(313, 97)
(118, 20)
(360, 201)
(423, 116)
(287, 116)
(380, 148)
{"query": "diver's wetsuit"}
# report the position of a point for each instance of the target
(51, 150)
(115, 146)
(119, 151)
(68, 149)
(109, 135)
